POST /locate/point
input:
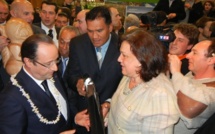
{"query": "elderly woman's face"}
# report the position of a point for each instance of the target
(130, 64)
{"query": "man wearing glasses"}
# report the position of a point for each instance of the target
(34, 102)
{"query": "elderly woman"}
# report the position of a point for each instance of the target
(144, 101)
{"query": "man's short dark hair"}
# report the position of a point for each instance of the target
(99, 12)
(50, 3)
(63, 15)
(203, 20)
(188, 30)
(30, 45)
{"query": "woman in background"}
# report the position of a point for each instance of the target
(144, 101)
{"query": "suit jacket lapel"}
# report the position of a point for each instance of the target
(35, 91)
(90, 52)
(111, 51)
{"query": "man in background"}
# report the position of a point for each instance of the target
(62, 20)
(186, 36)
(204, 24)
(65, 36)
(23, 9)
(173, 8)
(195, 91)
(81, 22)
(94, 54)
(48, 14)
(4, 12)
(116, 20)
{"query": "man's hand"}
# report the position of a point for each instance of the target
(82, 119)
(3, 42)
(105, 109)
(171, 16)
(174, 63)
(68, 132)
(80, 87)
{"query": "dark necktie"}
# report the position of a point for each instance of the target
(99, 56)
(45, 86)
(50, 34)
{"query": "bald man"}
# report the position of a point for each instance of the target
(23, 9)
(4, 12)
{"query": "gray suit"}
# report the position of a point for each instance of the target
(37, 30)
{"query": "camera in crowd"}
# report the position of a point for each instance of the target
(154, 20)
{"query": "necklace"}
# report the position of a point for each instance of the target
(35, 108)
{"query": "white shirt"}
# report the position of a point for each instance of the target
(46, 29)
(197, 91)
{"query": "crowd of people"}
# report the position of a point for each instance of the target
(143, 85)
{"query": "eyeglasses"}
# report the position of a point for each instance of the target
(50, 64)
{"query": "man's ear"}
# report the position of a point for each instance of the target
(200, 29)
(28, 62)
(211, 60)
(13, 14)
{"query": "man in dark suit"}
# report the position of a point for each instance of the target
(85, 59)
(25, 11)
(48, 15)
(173, 8)
(34, 102)
(66, 34)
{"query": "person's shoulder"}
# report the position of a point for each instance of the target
(114, 36)
(80, 39)
(161, 85)
(37, 30)
(37, 24)
(10, 90)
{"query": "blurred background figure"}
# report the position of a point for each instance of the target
(195, 11)
(212, 29)
(200, 9)
(4, 12)
(81, 21)
(116, 19)
(174, 9)
(62, 20)
(187, 7)
(209, 8)
(131, 20)
(203, 25)
(68, 12)
(48, 14)
(65, 35)
(68, 4)
(23, 9)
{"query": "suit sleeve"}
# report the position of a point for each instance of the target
(12, 116)
(73, 72)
